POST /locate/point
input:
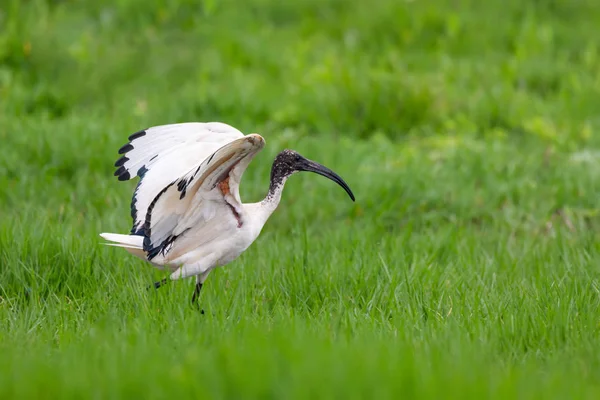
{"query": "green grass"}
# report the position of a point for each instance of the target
(469, 266)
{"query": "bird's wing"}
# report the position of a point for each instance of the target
(161, 154)
(197, 197)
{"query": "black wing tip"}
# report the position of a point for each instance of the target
(128, 147)
(124, 176)
(119, 171)
(125, 148)
(122, 173)
(136, 135)
(121, 161)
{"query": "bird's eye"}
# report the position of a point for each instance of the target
(297, 157)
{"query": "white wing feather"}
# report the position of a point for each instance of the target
(161, 154)
(195, 198)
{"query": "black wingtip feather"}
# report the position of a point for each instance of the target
(119, 171)
(126, 148)
(121, 161)
(136, 135)
(124, 176)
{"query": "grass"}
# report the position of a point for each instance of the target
(469, 266)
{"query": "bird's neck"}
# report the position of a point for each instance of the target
(262, 210)
(271, 201)
(279, 175)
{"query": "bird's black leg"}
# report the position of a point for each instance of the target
(159, 283)
(196, 295)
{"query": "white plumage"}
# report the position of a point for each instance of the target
(186, 209)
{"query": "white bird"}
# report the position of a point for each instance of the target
(186, 208)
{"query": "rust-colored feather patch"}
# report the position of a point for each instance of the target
(224, 186)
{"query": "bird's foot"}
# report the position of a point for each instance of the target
(197, 307)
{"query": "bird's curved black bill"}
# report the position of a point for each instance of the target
(317, 168)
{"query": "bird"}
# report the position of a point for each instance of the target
(188, 218)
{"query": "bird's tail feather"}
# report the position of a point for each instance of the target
(132, 243)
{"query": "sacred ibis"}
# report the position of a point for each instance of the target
(187, 213)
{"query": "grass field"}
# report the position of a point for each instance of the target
(467, 268)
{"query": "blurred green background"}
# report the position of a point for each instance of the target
(522, 68)
(467, 268)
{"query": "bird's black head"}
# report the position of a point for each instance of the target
(288, 162)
